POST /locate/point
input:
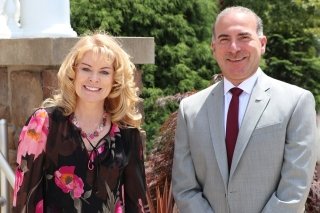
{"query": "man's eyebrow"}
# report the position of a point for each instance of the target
(223, 36)
(245, 34)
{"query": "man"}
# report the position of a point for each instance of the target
(264, 163)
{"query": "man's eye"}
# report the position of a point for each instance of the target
(245, 38)
(223, 40)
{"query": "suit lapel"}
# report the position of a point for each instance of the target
(215, 110)
(257, 103)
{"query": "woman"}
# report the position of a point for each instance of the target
(82, 152)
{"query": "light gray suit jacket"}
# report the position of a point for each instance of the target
(274, 157)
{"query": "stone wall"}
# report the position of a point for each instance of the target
(28, 69)
(24, 89)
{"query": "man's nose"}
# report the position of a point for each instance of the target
(234, 46)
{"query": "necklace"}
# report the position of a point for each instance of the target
(93, 134)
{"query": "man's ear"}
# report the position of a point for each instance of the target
(263, 41)
(213, 48)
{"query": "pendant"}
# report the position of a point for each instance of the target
(90, 165)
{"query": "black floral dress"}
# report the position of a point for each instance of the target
(55, 172)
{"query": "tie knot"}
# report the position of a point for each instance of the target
(236, 91)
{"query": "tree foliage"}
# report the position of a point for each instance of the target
(182, 33)
(292, 28)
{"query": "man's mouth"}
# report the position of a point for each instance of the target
(236, 59)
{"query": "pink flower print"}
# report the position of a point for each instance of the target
(17, 184)
(33, 137)
(39, 207)
(118, 207)
(114, 130)
(68, 181)
(141, 205)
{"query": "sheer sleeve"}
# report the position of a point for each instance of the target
(28, 189)
(134, 175)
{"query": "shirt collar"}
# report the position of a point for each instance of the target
(246, 85)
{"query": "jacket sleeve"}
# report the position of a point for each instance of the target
(187, 192)
(134, 180)
(28, 189)
(299, 159)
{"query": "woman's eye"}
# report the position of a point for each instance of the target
(104, 72)
(85, 69)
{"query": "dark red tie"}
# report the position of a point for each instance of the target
(232, 128)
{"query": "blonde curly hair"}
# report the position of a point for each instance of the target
(122, 101)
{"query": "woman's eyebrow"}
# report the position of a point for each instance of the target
(86, 64)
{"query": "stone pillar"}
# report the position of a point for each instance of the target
(45, 18)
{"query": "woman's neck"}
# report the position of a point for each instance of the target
(89, 115)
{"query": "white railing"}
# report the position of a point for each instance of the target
(6, 173)
(7, 170)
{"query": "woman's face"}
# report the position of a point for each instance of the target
(94, 78)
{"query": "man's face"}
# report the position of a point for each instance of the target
(237, 47)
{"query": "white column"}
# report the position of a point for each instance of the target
(13, 16)
(45, 18)
(4, 29)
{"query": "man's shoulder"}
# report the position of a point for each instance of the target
(282, 85)
(201, 95)
(279, 85)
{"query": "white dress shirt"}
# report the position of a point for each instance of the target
(246, 86)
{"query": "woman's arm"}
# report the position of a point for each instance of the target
(134, 175)
(28, 189)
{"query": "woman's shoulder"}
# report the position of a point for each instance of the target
(54, 113)
(53, 110)
(129, 130)
(131, 136)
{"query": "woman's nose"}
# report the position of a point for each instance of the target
(94, 78)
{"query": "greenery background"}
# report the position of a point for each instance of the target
(182, 33)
